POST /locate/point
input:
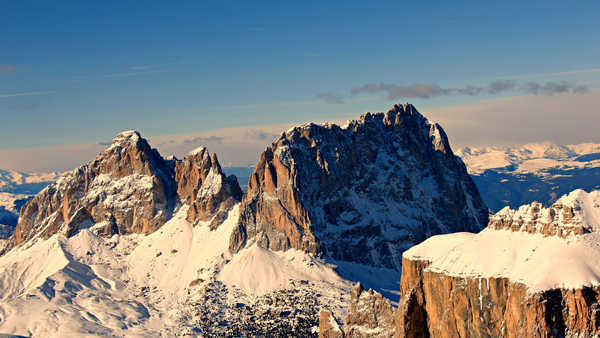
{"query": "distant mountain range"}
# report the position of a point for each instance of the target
(542, 172)
(16, 188)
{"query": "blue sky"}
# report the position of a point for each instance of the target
(78, 71)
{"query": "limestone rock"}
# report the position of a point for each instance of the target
(369, 315)
(493, 307)
(364, 192)
(328, 325)
(127, 188)
(202, 184)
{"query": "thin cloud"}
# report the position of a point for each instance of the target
(259, 135)
(201, 140)
(4, 96)
(426, 90)
(330, 97)
(142, 67)
(128, 74)
(7, 68)
(566, 73)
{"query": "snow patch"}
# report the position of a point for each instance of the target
(257, 270)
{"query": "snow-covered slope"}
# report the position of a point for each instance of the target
(160, 284)
(533, 172)
(521, 250)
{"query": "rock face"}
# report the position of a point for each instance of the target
(513, 279)
(362, 193)
(328, 325)
(127, 188)
(449, 306)
(202, 184)
(369, 315)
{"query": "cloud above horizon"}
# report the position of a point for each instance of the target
(428, 90)
(7, 68)
(502, 121)
(330, 97)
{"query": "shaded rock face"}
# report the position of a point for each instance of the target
(362, 193)
(127, 188)
(435, 304)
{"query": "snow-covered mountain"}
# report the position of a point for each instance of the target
(360, 194)
(533, 271)
(134, 244)
(24, 183)
(534, 172)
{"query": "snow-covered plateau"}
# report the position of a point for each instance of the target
(515, 246)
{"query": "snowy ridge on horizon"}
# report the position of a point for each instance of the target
(542, 172)
(531, 158)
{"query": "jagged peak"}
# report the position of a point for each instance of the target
(128, 136)
(200, 150)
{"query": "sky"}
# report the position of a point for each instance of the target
(232, 74)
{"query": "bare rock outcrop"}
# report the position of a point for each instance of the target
(127, 188)
(516, 281)
(202, 185)
(563, 218)
(364, 192)
(328, 325)
(369, 315)
(451, 306)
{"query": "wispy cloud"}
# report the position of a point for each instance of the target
(4, 96)
(128, 74)
(202, 140)
(552, 74)
(330, 97)
(428, 90)
(8, 68)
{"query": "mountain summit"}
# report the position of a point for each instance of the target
(361, 193)
(127, 188)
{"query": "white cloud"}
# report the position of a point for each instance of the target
(3, 96)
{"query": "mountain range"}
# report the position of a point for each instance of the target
(133, 244)
(375, 228)
(540, 172)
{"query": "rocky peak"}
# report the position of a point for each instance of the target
(202, 184)
(369, 315)
(128, 188)
(362, 193)
(573, 214)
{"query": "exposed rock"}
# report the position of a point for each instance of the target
(364, 192)
(328, 325)
(523, 282)
(563, 218)
(202, 184)
(127, 188)
(369, 315)
(493, 307)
